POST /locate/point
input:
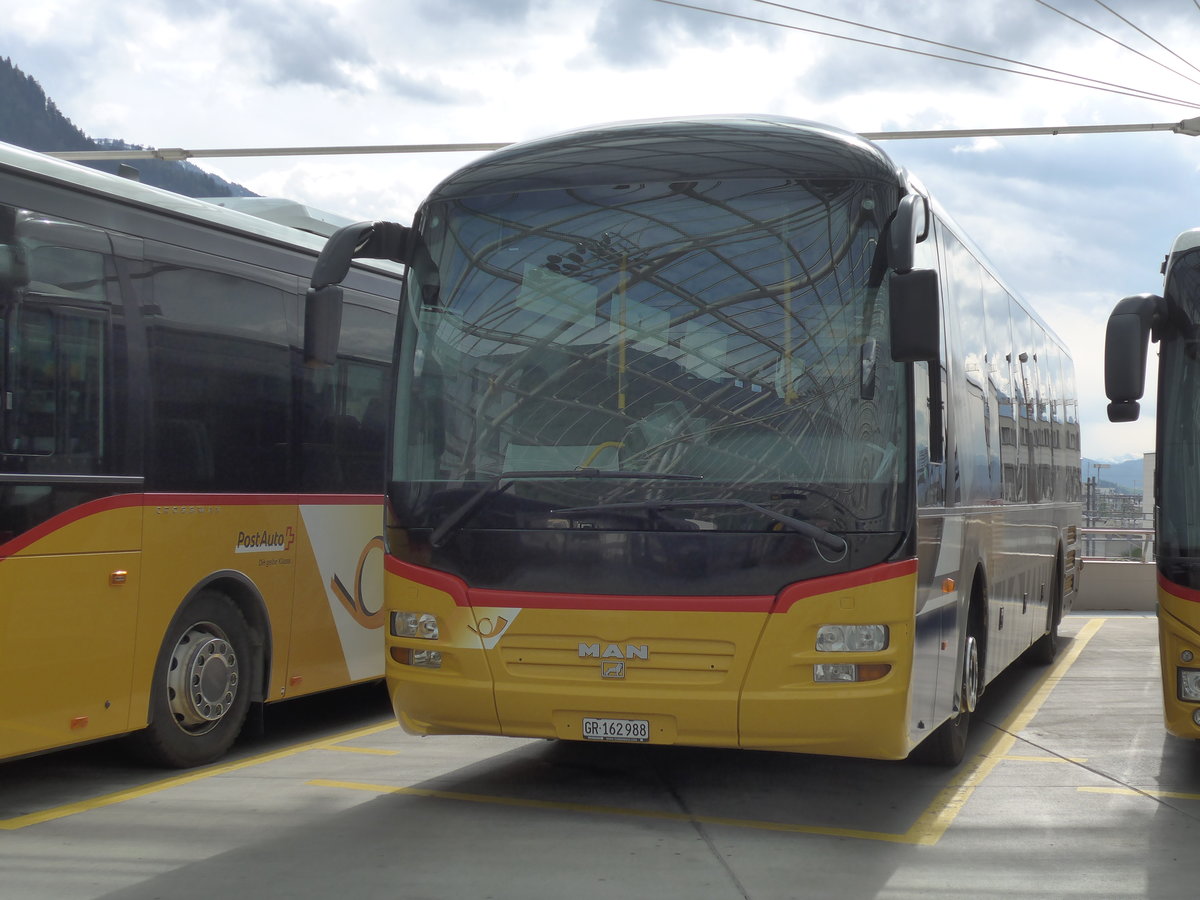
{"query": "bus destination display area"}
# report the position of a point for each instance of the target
(1054, 798)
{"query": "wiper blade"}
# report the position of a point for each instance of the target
(501, 483)
(820, 535)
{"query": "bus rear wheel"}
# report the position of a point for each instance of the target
(201, 689)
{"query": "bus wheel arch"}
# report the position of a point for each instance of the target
(209, 669)
(1045, 649)
(947, 745)
(978, 616)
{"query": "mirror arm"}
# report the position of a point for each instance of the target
(362, 240)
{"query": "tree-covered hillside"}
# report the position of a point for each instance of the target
(30, 119)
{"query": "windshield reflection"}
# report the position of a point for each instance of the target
(730, 329)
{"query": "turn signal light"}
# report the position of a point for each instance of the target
(420, 659)
(1189, 684)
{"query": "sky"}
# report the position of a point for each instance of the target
(1071, 222)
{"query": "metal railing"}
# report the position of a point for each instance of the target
(1118, 544)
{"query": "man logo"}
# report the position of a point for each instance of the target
(614, 651)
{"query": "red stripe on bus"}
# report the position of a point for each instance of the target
(263, 499)
(802, 590)
(1178, 590)
(67, 517)
(464, 596)
(149, 501)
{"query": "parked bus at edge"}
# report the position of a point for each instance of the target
(1170, 319)
(714, 432)
(189, 517)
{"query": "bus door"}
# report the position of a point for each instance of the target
(68, 540)
(337, 626)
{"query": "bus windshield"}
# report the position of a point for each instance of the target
(731, 331)
(1179, 412)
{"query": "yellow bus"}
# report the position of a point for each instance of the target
(1170, 320)
(190, 517)
(714, 432)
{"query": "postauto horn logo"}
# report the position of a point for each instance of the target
(265, 541)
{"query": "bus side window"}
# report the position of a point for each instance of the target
(220, 375)
(345, 416)
(54, 388)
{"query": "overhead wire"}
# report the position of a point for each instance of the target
(1109, 37)
(1078, 81)
(955, 47)
(1150, 37)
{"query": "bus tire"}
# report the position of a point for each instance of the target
(1044, 650)
(202, 685)
(948, 743)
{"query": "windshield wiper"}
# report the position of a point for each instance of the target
(501, 483)
(820, 535)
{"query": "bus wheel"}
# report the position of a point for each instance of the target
(1045, 649)
(948, 744)
(201, 687)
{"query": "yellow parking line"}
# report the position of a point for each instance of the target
(370, 751)
(927, 830)
(1138, 792)
(71, 809)
(932, 824)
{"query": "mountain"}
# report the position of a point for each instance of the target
(29, 119)
(1125, 477)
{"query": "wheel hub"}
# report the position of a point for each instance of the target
(970, 686)
(203, 678)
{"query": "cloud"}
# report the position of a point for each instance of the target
(645, 34)
(430, 91)
(468, 13)
(295, 42)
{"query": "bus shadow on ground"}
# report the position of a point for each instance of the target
(758, 789)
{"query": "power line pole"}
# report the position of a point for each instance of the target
(1189, 127)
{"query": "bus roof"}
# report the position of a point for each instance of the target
(673, 149)
(285, 212)
(279, 221)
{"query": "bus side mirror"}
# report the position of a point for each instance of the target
(1126, 344)
(916, 316)
(322, 325)
(908, 228)
(13, 270)
(323, 301)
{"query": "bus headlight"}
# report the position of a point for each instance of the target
(852, 638)
(1189, 684)
(415, 625)
(826, 673)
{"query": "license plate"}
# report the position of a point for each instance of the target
(616, 729)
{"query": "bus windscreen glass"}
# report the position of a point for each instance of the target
(732, 331)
